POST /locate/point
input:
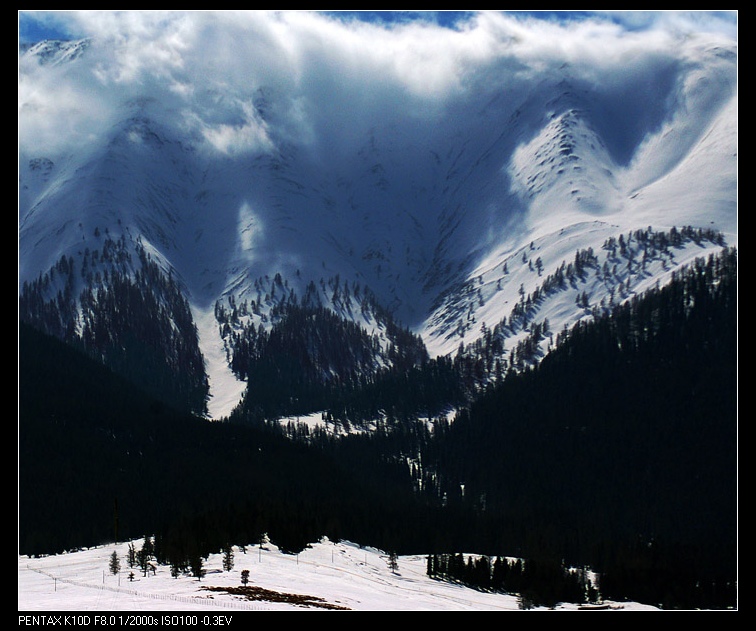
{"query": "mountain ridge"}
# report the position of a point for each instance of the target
(417, 220)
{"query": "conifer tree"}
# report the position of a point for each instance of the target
(197, 566)
(393, 561)
(115, 563)
(228, 558)
(132, 555)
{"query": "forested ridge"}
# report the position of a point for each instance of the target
(620, 448)
(123, 310)
(618, 452)
(99, 459)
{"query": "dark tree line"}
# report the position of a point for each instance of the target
(99, 459)
(619, 450)
(537, 581)
(312, 360)
(130, 315)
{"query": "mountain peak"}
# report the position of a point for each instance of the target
(417, 198)
(566, 165)
(53, 52)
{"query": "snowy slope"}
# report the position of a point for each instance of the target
(422, 201)
(578, 196)
(331, 576)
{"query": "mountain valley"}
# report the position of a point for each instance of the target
(430, 270)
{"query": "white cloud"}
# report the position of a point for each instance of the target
(249, 134)
(324, 79)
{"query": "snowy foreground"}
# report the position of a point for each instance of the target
(326, 576)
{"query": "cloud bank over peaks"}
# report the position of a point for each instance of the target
(327, 80)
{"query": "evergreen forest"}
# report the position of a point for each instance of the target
(617, 452)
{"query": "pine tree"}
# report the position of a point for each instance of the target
(145, 555)
(228, 558)
(115, 563)
(393, 562)
(197, 566)
(132, 555)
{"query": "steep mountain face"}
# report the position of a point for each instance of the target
(455, 236)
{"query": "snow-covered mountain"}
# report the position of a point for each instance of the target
(531, 192)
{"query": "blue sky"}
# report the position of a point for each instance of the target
(33, 29)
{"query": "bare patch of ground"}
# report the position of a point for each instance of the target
(252, 592)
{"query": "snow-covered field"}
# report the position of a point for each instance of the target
(326, 576)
